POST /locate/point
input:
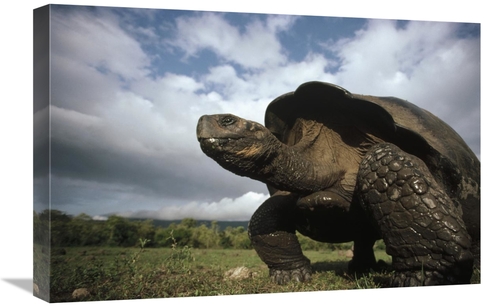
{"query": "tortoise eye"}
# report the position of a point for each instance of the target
(228, 120)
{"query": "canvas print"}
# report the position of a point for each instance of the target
(194, 153)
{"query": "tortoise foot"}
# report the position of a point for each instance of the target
(415, 279)
(282, 277)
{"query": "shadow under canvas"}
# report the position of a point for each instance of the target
(22, 283)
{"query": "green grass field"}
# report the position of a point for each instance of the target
(134, 273)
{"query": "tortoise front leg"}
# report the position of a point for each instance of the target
(272, 234)
(422, 228)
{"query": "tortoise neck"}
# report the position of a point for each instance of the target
(287, 169)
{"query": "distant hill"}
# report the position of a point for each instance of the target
(222, 224)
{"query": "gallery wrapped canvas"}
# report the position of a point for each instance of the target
(188, 153)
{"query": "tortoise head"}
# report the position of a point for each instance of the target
(235, 143)
(249, 149)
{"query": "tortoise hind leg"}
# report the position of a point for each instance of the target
(422, 229)
(363, 259)
(335, 220)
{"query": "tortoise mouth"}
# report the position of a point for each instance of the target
(215, 143)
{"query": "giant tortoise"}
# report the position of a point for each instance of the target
(342, 167)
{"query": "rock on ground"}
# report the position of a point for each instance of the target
(239, 273)
(80, 293)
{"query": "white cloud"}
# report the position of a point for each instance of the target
(248, 94)
(254, 47)
(227, 209)
(280, 80)
(423, 62)
(99, 43)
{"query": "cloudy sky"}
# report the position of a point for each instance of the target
(128, 86)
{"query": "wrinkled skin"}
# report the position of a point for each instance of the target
(334, 179)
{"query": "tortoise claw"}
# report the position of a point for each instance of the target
(282, 277)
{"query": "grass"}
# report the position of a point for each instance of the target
(121, 273)
(135, 273)
(41, 271)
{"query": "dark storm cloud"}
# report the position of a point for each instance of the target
(174, 176)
